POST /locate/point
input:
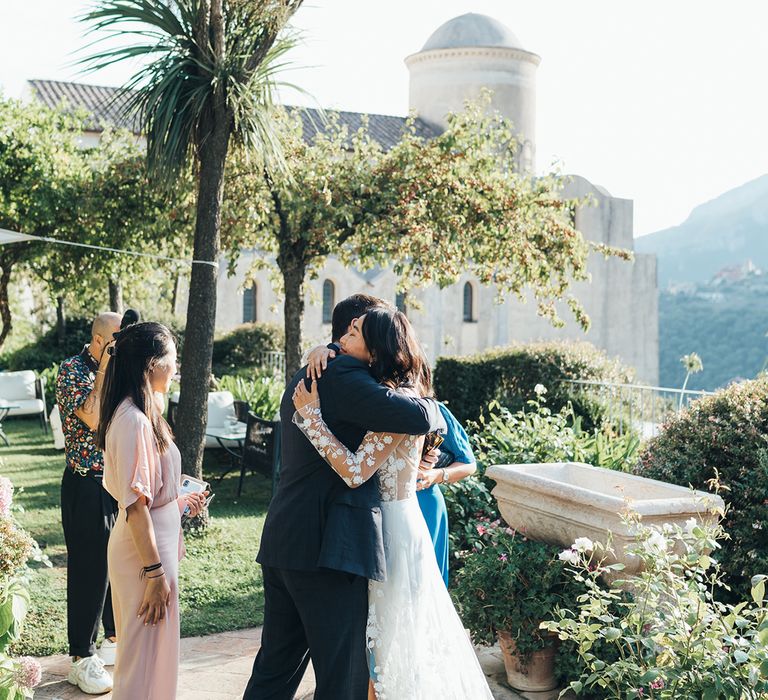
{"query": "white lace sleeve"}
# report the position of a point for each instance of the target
(354, 467)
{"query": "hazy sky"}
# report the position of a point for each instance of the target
(661, 102)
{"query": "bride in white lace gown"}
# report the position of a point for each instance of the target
(417, 642)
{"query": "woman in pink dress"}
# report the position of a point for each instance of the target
(142, 470)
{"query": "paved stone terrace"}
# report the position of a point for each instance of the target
(217, 667)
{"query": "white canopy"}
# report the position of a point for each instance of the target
(12, 237)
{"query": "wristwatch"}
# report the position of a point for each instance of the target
(445, 477)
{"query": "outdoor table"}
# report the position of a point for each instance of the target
(5, 409)
(231, 439)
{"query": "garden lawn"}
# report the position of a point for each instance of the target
(220, 584)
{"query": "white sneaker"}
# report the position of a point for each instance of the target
(108, 652)
(89, 675)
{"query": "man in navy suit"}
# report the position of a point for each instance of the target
(322, 541)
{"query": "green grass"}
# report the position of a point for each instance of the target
(220, 582)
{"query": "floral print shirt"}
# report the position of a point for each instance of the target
(73, 386)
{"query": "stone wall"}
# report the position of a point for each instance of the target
(621, 299)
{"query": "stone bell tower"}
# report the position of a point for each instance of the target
(465, 55)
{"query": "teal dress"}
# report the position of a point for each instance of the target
(431, 500)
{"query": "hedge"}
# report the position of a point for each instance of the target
(241, 347)
(45, 350)
(723, 436)
(509, 375)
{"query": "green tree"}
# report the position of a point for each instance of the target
(113, 203)
(208, 79)
(40, 165)
(432, 209)
(122, 207)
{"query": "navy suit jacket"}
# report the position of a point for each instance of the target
(315, 520)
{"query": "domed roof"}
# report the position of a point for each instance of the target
(469, 30)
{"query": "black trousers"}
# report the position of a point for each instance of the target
(88, 514)
(322, 615)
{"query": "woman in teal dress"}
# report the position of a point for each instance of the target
(456, 454)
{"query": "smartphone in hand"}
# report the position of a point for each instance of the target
(189, 484)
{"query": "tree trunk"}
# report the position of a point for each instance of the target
(291, 260)
(6, 265)
(61, 321)
(175, 294)
(116, 296)
(201, 307)
(293, 312)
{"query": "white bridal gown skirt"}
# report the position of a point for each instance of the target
(419, 647)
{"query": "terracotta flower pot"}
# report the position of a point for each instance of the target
(538, 671)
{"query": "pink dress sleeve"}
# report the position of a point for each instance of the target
(134, 460)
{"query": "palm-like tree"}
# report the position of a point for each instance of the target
(208, 78)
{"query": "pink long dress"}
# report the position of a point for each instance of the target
(147, 656)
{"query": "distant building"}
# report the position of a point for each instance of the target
(99, 103)
(463, 56)
(736, 273)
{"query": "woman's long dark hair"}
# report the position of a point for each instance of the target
(397, 358)
(138, 346)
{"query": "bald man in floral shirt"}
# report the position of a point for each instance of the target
(87, 511)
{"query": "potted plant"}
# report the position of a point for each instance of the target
(508, 585)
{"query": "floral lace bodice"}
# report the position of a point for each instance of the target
(395, 456)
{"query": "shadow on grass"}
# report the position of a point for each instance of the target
(49, 536)
(45, 496)
(235, 611)
(255, 496)
(221, 587)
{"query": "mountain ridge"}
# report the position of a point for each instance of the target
(725, 231)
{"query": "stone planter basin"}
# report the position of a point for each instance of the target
(558, 502)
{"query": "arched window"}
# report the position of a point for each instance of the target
(249, 304)
(329, 300)
(469, 303)
(400, 302)
(572, 212)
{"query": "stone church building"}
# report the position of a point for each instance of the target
(460, 58)
(463, 56)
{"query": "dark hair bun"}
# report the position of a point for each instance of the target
(130, 317)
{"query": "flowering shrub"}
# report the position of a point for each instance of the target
(17, 676)
(511, 583)
(16, 547)
(6, 497)
(726, 435)
(27, 673)
(671, 639)
(470, 505)
(537, 434)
